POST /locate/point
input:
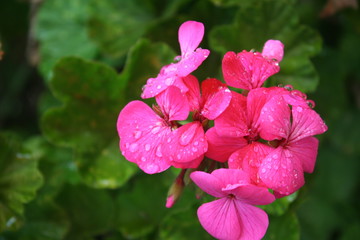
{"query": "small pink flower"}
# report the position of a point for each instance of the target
(215, 97)
(154, 140)
(232, 216)
(249, 70)
(190, 36)
(291, 129)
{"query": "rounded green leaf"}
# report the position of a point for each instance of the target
(91, 212)
(109, 169)
(19, 181)
(92, 97)
(61, 28)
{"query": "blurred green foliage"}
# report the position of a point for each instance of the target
(62, 174)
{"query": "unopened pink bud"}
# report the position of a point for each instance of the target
(170, 201)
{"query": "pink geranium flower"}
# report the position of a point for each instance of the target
(190, 35)
(291, 129)
(232, 216)
(211, 102)
(249, 70)
(154, 140)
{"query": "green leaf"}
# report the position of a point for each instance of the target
(91, 212)
(116, 25)
(280, 205)
(109, 169)
(283, 227)
(92, 97)
(281, 21)
(92, 94)
(182, 225)
(19, 181)
(56, 164)
(144, 61)
(61, 28)
(44, 221)
(141, 204)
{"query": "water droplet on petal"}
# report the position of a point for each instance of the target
(152, 168)
(137, 134)
(196, 143)
(155, 130)
(263, 170)
(133, 147)
(147, 147)
(158, 87)
(299, 109)
(158, 151)
(188, 135)
(194, 149)
(178, 156)
(143, 159)
(275, 156)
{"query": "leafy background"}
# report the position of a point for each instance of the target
(68, 68)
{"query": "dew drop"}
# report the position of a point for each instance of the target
(194, 149)
(299, 109)
(158, 151)
(158, 87)
(137, 134)
(188, 135)
(152, 168)
(196, 143)
(143, 159)
(133, 147)
(169, 140)
(178, 156)
(147, 147)
(275, 156)
(155, 130)
(263, 170)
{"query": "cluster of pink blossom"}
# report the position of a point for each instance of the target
(260, 139)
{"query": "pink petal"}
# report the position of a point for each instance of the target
(249, 159)
(256, 99)
(221, 147)
(193, 94)
(142, 134)
(306, 122)
(275, 119)
(190, 35)
(173, 104)
(186, 143)
(216, 98)
(273, 49)
(191, 62)
(168, 76)
(231, 177)
(282, 172)
(208, 183)
(247, 70)
(194, 163)
(232, 122)
(251, 194)
(229, 219)
(306, 151)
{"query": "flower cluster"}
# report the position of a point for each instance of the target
(260, 139)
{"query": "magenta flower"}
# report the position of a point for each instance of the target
(232, 216)
(238, 125)
(249, 70)
(190, 35)
(211, 102)
(291, 129)
(154, 140)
